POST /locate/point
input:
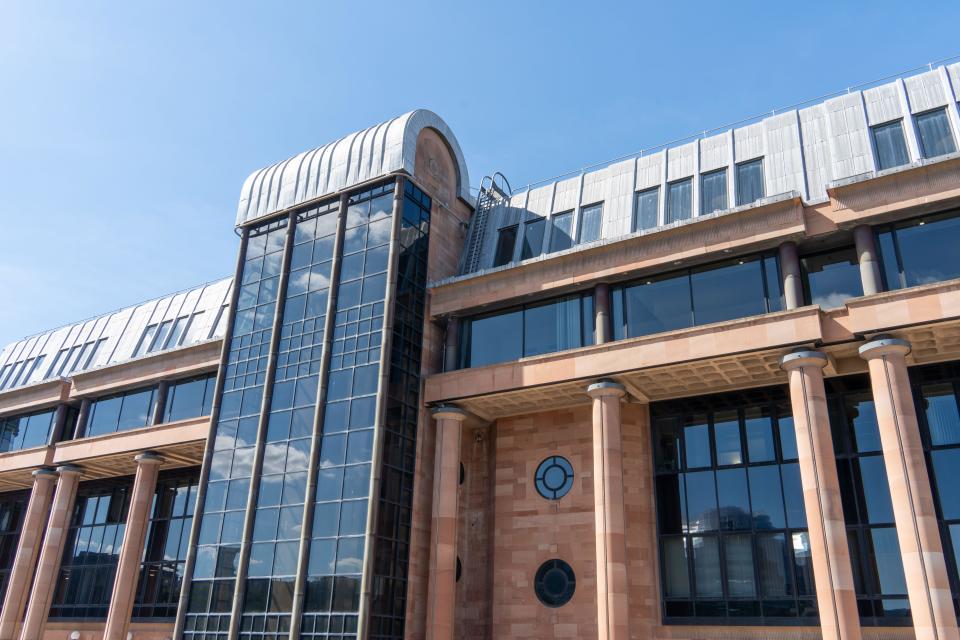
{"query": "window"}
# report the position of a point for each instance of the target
(889, 145)
(713, 191)
(646, 215)
(167, 540)
(13, 508)
(533, 238)
(679, 201)
(90, 558)
(554, 583)
(554, 478)
(732, 289)
(546, 327)
(935, 394)
(730, 513)
(130, 410)
(189, 399)
(830, 278)
(591, 222)
(749, 182)
(874, 550)
(145, 340)
(561, 239)
(24, 432)
(933, 129)
(921, 251)
(506, 240)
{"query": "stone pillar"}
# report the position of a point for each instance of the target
(451, 345)
(613, 622)
(866, 245)
(160, 406)
(80, 430)
(924, 565)
(601, 307)
(51, 552)
(441, 599)
(832, 572)
(131, 550)
(790, 270)
(28, 547)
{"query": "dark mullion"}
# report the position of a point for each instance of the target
(243, 561)
(306, 529)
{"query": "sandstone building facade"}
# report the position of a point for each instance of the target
(710, 390)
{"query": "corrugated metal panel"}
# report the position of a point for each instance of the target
(802, 151)
(114, 337)
(377, 151)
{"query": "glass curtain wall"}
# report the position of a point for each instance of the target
(736, 288)
(867, 510)
(920, 251)
(935, 394)
(292, 481)
(167, 540)
(13, 508)
(24, 432)
(732, 527)
(92, 551)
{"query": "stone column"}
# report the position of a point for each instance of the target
(131, 550)
(160, 406)
(80, 429)
(441, 599)
(51, 552)
(924, 565)
(612, 588)
(790, 270)
(601, 307)
(832, 572)
(866, 245)
(451, 345)
(28, 547)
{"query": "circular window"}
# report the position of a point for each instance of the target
(554, 477)
(555, 583)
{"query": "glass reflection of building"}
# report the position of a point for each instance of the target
(322, 367)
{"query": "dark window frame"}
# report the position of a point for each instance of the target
(707, 175)
(500, 259)
(951, 134)
(597, 206)
(722, 610)
(741, 202)
(635, 222)
(898, 122)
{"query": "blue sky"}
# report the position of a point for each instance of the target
(127, 129)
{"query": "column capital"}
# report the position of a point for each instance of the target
(69, 470)
(604, 388)
(448, 412)
(44, 474)
(884, 346)
(148, 457)
(804, 358)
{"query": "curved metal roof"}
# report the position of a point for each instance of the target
(358, 157)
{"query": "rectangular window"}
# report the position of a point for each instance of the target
(933, 129)
(591, 223)
(160, 340)
(145, 340)
(936, 399)
(13, 509)
(646, 215)
(560, 238)
(557, 325)
(24, 432)
(867, 508)
(533, 238)
(732, 289)
(730, 518)
(506, 240)
(679, 201)
(713, 191)
(179, 325)
(131, 410)
(890, 145)
(830, 278)
(90, 558)
(189, 399)
(750, 182)
(921, 251)
(161, 572)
